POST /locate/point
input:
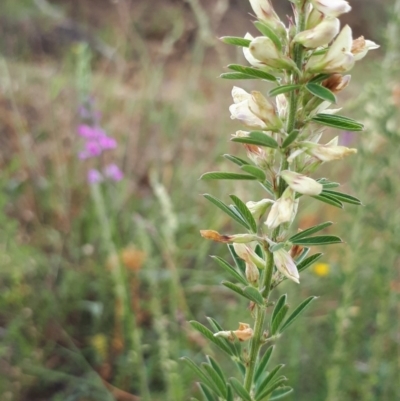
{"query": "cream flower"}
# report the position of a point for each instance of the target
(285, 264)
(301, 183)
(331, 8)
(321, 35)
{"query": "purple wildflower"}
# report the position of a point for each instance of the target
(94, 176)
(113, 172)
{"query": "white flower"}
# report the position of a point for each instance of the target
(321, 35)
(331, 8)
(257, 209)
(266, 13)
(361, 47)
(282, 210)
(248, 255)
(338, 58)
(249, 57)
(301, 184)
(329, 151)
(285, 264)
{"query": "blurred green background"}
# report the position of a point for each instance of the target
(98, 283)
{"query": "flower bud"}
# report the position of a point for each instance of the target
(243, 333)
(329, 151)
(321, 35)
(282, 210)
(336, 83)
(301, 184)
(252, 273)
(361, 47)
(227, 239)
(266, 13)
(338, 58)
(257, 209)
(263, 49)
(285, 264)
(248, 255)
(249, 57)
(331, 8)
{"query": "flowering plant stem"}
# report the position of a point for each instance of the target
(306, 63)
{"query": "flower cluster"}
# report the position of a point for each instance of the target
(95, 143)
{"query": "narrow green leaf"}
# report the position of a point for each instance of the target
(221, 175)
(340, 122)
(234, 288)
(321, 92)
(329, 200)
(214, 364)
(239, 389)
(216, 379)
(269, 33)
(254, 295)
(310, 231)
(295, 314)
(207, 393)
(236, 41)
(257, 138)
(290, 138)
(236, 160)
(278, 306)
(230, 269)
(207, 333)
(221, 205)
(308, 262)
(197, 371)
(283, 89)
(273, 386)
(279, 319)
(328, 184)
(343, 197)
(280, 393)
(245, 212)
(240, 263)
(262, 365)
(318, 240)
(230, 395)
(235, 75)
(256, 171)
(319, 78)
(254, 72)
(268, 380)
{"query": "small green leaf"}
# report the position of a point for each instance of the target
(207, 393)
(234, 288)
(235, 75)
(256, 171)
(308, 262)
(230, 396)
(220, 175)
(263, 363)
(207, 333)
(318, 240)
(273, 386)
(236, 160)
(328, 184)
(269, 33)
(319, 78)
(290, 138)
(283, 89)
(310, 231)
(343, 197)
(268, 380)
(216, 379)
(321, 92)
(230, 269)
(212, 362)
(239, 389)
(254, 72)
(329, 200)
(280, 393)
(245, 213)
(296, 313)
(221, 205)
(236, 41)
(254, 295)
(278, 306)
(257, 138)
(279, 319)
(197, 371)
(340, 122)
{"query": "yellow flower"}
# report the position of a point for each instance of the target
(99, 343)
(321, 269)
